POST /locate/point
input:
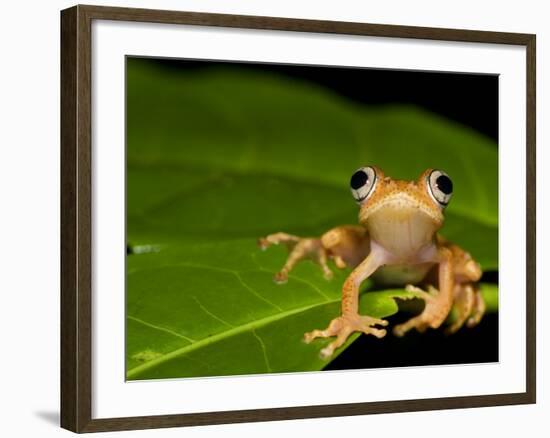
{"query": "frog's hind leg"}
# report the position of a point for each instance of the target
(465, 297)
(468, 301)
(469, 307)
(347, 245)
(478, 310)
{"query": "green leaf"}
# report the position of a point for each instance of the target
(216, 159)
(213, 309)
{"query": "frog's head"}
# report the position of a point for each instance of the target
(401, 215)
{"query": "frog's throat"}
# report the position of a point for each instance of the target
(401, 204)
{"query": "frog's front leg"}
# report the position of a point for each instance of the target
(350, 321)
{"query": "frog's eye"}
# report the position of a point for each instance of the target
(362, 183)
(440, 187)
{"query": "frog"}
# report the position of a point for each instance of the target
(396, 243)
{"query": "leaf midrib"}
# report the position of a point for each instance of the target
(252, 325)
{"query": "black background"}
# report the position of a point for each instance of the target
(469, 99)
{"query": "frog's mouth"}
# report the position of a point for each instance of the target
(403, 227)
(403, 205)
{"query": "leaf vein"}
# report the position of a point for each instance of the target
(222, 335)
(209, 313)
(264, 351)
(315, 288)
(216, 268)
(157, 327)
(251, 290)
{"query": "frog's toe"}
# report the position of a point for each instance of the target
(280, 277)
(474, 320)
(328, 351)
(454, 327)
(418, 322)
(333, 328)
(478, 311)
(340, 262)
(327, 273)
(262, 243)
(421, 293)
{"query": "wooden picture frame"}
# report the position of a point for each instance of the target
(76, 217)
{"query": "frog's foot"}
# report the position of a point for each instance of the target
(469, 307)
(342, 327)
(433, 315)
(299, 249)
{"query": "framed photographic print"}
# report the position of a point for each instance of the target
(258, 212)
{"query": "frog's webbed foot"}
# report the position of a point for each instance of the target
(468, 304)
(469, 307)
(342, 327)
(299, 249)
(433, 315)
